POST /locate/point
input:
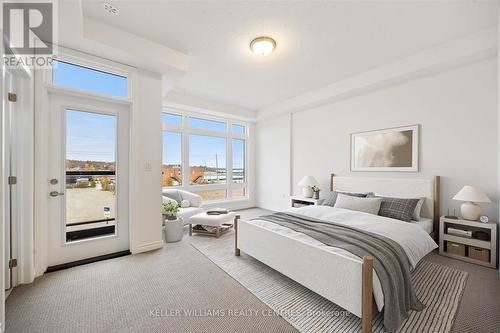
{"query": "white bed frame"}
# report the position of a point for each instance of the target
(345, 281)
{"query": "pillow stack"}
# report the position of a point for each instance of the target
(403, 209)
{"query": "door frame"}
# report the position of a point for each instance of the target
(44, 88)
(19, 162)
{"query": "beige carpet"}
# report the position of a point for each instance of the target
(140, 293)
(439, 287)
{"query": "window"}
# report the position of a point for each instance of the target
(78, 77)
(172, 157)
(207, 124)
(172, 119)
(238, 129)
(238, 161)
(214, 157)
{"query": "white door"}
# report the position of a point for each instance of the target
(88, 178)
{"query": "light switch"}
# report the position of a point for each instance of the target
(148, 167)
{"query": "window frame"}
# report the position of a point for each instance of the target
(186, 130)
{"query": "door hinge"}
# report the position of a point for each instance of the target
(12, 97)
(12, 263)
(12, 180)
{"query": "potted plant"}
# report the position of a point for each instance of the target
(174, 227)
(315, 192)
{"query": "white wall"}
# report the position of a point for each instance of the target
(146, 152)
(273, 162)
(458, 116)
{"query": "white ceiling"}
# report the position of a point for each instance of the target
(318, 42)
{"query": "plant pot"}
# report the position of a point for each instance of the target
(174, 230)
(316, 195)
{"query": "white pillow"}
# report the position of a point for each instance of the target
(185, 204)
(367, 205)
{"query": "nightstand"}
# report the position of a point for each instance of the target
(474, 249)
(297, 201)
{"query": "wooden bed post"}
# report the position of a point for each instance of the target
(236, 250)
(367, 295)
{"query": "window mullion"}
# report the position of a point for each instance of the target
(185, 153)
(229, 168)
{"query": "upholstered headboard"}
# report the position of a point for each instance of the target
(396, 187)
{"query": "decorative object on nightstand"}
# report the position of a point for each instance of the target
(484, 219)
(470, 241)
(315, 192)
(298, 201)
(471, 195)
(307, 183)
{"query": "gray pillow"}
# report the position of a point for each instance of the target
(397, 208)
(173, 194)
(332, 197)
(360, 204)
(418, 207)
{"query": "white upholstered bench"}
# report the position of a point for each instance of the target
(222, 223)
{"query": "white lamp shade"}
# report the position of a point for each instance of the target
(472, 194)
(308, 181)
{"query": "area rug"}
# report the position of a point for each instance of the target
(439, 287)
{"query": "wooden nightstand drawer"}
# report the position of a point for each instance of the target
(455, 248)
(479, 253)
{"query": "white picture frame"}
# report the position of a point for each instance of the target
(390, 150)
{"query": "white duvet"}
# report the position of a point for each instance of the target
(412, 238)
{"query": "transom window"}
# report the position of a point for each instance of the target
(205, 156)
(65, 74)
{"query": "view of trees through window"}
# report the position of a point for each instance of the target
(207, 147)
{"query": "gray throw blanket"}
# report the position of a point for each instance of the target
(389, 260)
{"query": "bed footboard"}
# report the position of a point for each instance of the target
(343, 280)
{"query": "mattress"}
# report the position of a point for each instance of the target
(426, 224)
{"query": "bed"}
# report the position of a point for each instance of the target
(356, 286)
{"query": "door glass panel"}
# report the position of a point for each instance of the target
(90, 174)
(207, 160)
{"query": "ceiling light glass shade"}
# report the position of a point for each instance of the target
(263, 46)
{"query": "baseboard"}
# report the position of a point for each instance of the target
(148, 247)
(86, 261)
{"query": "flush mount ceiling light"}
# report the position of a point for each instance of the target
(263, 46)
(109, 8)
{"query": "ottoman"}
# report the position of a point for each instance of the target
(221, 223)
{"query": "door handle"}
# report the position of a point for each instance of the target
(55, 193)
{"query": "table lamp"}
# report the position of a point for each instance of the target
(471, 195)
(307, 183)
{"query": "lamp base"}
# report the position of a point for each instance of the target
(307, 192)
(470, 211)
